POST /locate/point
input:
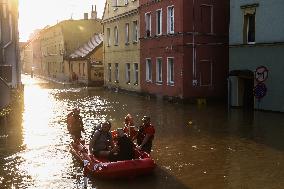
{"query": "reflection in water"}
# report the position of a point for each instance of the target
(194, 147)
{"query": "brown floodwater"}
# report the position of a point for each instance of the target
(194, 147)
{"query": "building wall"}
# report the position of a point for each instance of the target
(121, 53)
(199, 55)
(96, 70)
(267, 21)
(27, 58)
(9, 39)
(272, 58)
(59, 41)
(79, 67)
(37, 56)
(267, 50)
(163, 46)
(52, 49)
(88, 70)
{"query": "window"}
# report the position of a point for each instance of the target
(115, 36)
(159, 22)
(171, 20)
(116, 73)
(109, 72)
(127, 73)
(159, 70)
(4, 10)
(135, 31)
(148, 24)
(170, 71)
(206, 70)
(108, 36)
(115, 4)
(249, 26)
(148, 70)
(126, 33)
(136, 74)
(83, 69)
(206, 18)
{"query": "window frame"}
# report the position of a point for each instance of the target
(169, 81)
(160, 26)
(116, 36)
(108, 37)
(148, 69)
(159, 72)
(135, 31)
(127, 73)
(148, 24)
(127, 39)
(170, 30)
(116, 73)
(109, 72)
(136, 73)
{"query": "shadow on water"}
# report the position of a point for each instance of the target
(158, 179)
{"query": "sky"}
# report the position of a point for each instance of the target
(36, 14)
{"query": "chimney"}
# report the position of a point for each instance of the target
(85, 16)
(94, 12)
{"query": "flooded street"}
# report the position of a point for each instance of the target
(194, 147)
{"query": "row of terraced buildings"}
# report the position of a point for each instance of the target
(179, 49)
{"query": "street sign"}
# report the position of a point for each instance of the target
(261, 74)
(259, 91)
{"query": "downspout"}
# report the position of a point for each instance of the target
(193, 46)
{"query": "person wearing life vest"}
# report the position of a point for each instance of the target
(129, 127)
(75, 124)
(145, 135)
(125, 147)
(101, 143)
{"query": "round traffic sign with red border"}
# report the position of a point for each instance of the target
(261, 74)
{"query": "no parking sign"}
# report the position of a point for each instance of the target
(261, 74)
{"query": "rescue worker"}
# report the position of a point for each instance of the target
(129, 127)
(125, 147)
(75, 124)
(145, 135)
(101, 143)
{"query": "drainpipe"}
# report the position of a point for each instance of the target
(193, 46)
(229, 92)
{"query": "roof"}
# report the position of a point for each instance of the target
(88, 47)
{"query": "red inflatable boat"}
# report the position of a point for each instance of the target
(141, 165)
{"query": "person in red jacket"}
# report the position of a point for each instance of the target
(145, 135)
(75, 124)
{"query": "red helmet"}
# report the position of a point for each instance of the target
(76, 110)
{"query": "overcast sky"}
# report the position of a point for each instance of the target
(36, 14)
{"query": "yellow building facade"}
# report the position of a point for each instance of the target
(121, 45)
(59, 41)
